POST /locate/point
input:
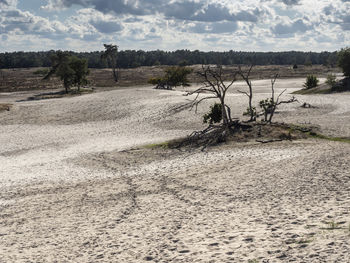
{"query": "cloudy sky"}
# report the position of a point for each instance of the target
(246, 25)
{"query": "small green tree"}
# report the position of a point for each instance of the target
(60, 67)
(311, 82)
(70, 69)
(80, 68)
(344, 61)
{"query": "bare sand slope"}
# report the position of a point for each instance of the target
(69, 193)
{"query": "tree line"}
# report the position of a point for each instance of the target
(136, 58)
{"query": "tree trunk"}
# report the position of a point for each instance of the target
(66, 85)
(252, 117)
(224, 113)
(115, 75)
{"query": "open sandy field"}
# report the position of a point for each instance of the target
(76, 185)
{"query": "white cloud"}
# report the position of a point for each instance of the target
(198, 24)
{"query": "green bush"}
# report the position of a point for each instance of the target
(344, 61)
(214, 115)
(177, 76)
(311, 82)
(331, 80)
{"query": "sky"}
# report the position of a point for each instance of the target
(207, 25)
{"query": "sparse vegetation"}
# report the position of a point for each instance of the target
(331, 225)
(335, 139)
(215, 88)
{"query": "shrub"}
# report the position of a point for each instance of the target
(183, 63)
(214, 115)
(177, 76)
(344, 61)
(342, 85)
(250, 112)
(311, 82)
(174, 76)
(331, 80)
(42, 72)
(154, 81)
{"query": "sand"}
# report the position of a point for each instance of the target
(76, 185)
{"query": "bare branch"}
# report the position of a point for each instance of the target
(291, 100)
(214, 84)
(280, 96)
(195, 103)
(243, 92)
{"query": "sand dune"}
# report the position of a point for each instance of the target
(77, 187)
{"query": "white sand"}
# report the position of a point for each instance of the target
(69, 195)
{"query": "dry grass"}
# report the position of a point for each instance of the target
(29, 79)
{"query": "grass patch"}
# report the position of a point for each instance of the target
(313, 91)
(323, 137)
(311, 131)
(164, 145)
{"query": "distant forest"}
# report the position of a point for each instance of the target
(133, 58)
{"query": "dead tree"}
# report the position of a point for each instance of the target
(250, 111)
(215, 86)
(270, 105)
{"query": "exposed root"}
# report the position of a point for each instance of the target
(237, 131)
(212, 135)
